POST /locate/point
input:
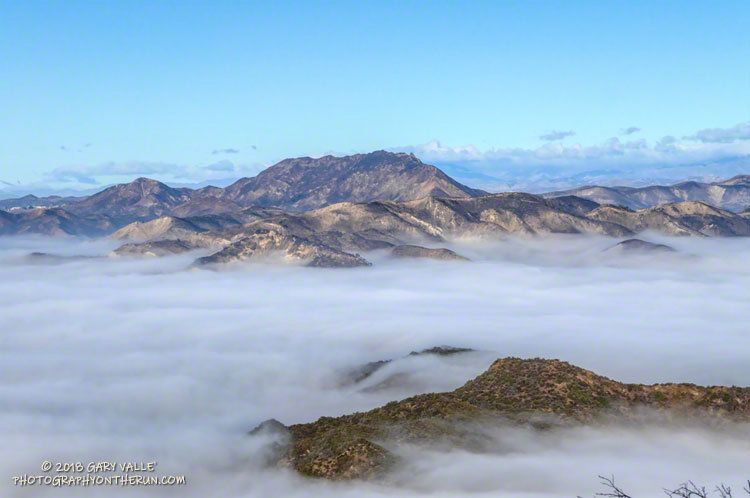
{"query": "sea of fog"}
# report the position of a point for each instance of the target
(139, 360)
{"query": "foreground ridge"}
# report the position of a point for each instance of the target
(540, 392)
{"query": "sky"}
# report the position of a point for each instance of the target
(95, 92)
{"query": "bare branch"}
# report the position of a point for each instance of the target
(687, 490)
(614, 490)
(724, 491)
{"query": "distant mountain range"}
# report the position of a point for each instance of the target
(32, 201)
(294, 185)
(325, 211)
(732, 194)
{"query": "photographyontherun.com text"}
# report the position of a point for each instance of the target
(68, 474)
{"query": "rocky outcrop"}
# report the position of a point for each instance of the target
(409, 251)
(269, 243)
(539, 392)
(638, 246)
(158, 248)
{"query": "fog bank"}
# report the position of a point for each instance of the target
(139, 360)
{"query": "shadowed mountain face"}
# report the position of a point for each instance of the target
(305, 183)
(539, 392)
(732, 194)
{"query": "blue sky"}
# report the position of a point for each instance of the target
(93, 92)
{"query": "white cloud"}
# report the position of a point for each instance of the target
(611, 152)
(723, 135)
(435, 149)
(154, 363)
(557, 165)
(557, 135)
(168, 172)
(630, 130)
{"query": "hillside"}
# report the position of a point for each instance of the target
(53, 222)
(542, 393)
(359, 227)
(682, 218)
(732, 194)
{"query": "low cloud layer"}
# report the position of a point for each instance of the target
(127, 171)
(141, 360)
(709, 155)
(723, 135)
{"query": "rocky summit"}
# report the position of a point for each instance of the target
(537, 392)
(306, 183)
(638, 246)
(409, 251)
(269, 242)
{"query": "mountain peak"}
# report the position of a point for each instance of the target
(143, 198)
(304, 183)
(146, 181)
